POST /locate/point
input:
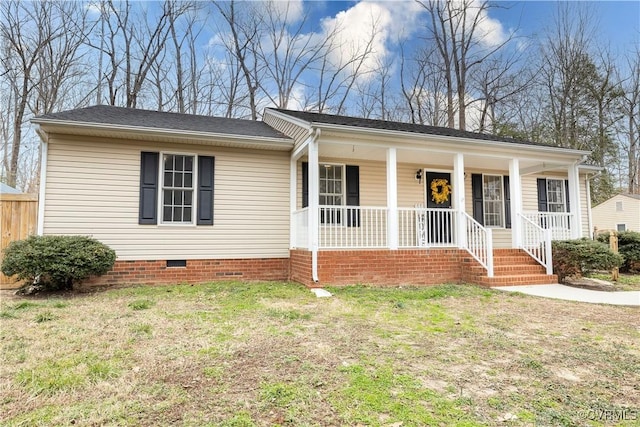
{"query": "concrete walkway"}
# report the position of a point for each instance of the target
(631, 298)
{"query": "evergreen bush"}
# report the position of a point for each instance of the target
(578, 257)
(56, 262)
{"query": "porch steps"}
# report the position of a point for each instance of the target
(510, 267)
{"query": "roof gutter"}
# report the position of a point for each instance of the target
(448, 139)
(176, 133)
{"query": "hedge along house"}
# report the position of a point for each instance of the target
(316, 198)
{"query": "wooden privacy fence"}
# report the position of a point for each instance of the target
(18, 220)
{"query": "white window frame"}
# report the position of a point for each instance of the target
(343, 193)
(564, 195)
(503, 219)
(619, 206)
(161, 188)
(623, 226)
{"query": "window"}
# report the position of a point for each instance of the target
(177, 188)
(331, 188)
(618, 206)
(621, 227)
(556, 195)
(493, 200)
(331, 193)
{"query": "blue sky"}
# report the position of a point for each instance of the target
(618, 21)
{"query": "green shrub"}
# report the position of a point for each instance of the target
(577, 257)
(628, 247)
(57, 262)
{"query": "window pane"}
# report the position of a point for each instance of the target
(179, 163)
(168, 179)
(177, 180)
(177, 214)
(168, 162)
(188, 180)
(188, 164)
(187, 214)
(167, 214)
(188, 198)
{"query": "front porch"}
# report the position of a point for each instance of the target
(353, 247)
(373, 209)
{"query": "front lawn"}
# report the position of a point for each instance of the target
(239, 354)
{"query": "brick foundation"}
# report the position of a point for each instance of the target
(379, 267)
(196, 271)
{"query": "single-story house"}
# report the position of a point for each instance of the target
(316, 198)
(619, 213)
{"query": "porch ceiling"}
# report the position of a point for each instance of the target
(424, 157)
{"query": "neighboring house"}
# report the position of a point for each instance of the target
(619, 213)
(316, 198)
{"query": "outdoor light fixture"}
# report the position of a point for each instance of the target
(419, 176)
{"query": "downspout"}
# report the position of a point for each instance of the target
(313, 210)
(44, 149)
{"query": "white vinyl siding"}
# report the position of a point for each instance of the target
(93, 188)
(607, 217)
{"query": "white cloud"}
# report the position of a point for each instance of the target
(369, 27)
(291, 11)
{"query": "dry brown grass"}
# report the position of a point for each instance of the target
(262, 354)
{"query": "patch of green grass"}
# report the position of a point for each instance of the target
(278, 394)
(59, 304)
(214, 372)
(141, 329)
(45, 316)
(241, 419)
(8, 314)
(66, 374)
(25, 305)
(141, 304)
(625, 282)
(372, 391)
(288, 314)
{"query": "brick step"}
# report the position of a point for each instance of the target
(516, 280)
(515, 259)
(507, 270)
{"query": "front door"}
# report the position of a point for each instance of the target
(439, 216)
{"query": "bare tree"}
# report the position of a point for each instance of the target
(244, 28)
(455, 31)
(23, 42)
(631, 110)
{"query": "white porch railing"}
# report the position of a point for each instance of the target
(479, 243)
(559, 223)
(352, 227)
(357, 227)
(300, 220)
(426, 227)
(536, 241)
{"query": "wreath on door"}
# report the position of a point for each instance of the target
(440, 190)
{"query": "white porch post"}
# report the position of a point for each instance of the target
(575, 202)
(458, 201)
(314, 182)
(515, 191)
(392, 199)
(293, 184)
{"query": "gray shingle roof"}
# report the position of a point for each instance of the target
(398, 126)
(633, 196)
(105, 114)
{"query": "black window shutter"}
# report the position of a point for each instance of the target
(206, 170)
(305, 184)
(476, 193)
(353, 195)
(507, 202)
(542, 195)
(148, 209)
(566, 191)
